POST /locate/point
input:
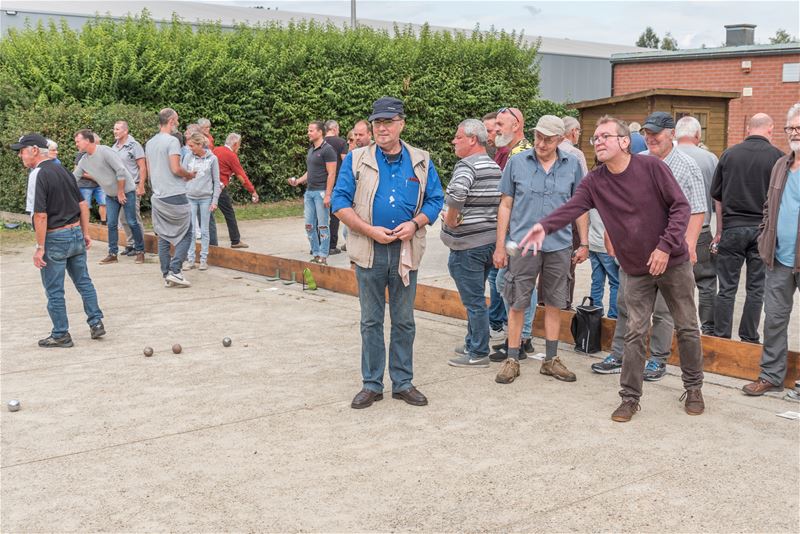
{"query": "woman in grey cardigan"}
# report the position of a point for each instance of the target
(203, 191)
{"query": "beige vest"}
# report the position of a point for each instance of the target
(365, 171)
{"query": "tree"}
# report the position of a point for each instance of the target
(648, 39)
(669, 42)
(782, 37)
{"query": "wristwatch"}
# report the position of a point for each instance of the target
(38, 246)
(415, 223)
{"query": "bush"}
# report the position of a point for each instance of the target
(265, 82)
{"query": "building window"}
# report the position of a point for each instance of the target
(701, 116)
(791, 72)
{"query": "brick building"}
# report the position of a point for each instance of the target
(766, 76)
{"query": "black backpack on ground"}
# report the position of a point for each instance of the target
(586, 327)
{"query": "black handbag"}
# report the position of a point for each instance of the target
(586, 327)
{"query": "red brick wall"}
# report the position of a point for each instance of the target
(770, 94)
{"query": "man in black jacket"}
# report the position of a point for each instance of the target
(740, 184)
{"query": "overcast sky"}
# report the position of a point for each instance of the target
(692, 23)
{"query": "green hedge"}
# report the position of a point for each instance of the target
(265, 82)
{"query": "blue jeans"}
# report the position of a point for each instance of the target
(173, 263)
(372, 284)
(469, 269)
(604, 266)
(112, 215)
(530, 313)
(497, 310)
(65, 250)
(317, 223)
(200, 207)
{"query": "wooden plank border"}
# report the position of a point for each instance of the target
(721, 356)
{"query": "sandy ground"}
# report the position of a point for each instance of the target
(260, 436)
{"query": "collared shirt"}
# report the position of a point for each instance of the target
(398, 190)
(130, 153)
(689, 178)
(316, 164)
(707, 162)
(537, 193)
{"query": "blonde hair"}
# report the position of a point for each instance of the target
(197, 138)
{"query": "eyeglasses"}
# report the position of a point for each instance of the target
(384, 122)
(545, 139)
(604, 138)
(503, 110)
(792, 129)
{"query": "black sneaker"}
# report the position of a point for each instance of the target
(501, 353)
(53, 342)
(97, 330)
(654, 371)
(334, 251)
(610, 366)
(128, 252)
(527, 346)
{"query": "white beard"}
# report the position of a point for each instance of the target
(795, 146)
(501, 140)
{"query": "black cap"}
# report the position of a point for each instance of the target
(387, 107)
(657, 121)
(31, 139)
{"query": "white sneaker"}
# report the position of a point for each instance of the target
(203, 265)
(496, 335)
(167, 283)
(188, 265)
(178, 279)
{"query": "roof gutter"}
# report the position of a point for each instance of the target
(703, 55)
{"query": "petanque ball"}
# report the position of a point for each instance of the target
(226, 342)
(13, 405)
(176, 348)
(148, 351)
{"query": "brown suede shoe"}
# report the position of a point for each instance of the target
(111, 258)
(759, 387)
(139, 257)
(411, 396)
(240, 244)
(509, 370)
(557, 370)
(365, 398)
(694, 404)
(625, 412)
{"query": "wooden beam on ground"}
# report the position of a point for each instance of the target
(721, 356)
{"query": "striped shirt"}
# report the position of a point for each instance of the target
(473, 190)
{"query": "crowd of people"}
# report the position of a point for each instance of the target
(518, 213)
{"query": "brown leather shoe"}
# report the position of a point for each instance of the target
(111, 258)
(240, 244)
(365, 398)
(759, 387)
(139, 257)
(411, 396)
(626, 410)
(694, 404)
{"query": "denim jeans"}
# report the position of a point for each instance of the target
(65, 250)
(497, 310)
(604, 266)
(123, 221)
(737, 246)
(173, 263)
(530, 313)
(372, 284)
(114, 207)
(781, 285)
(317, 223)
(200, 207)
(469, 269)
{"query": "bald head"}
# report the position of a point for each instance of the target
(760, 124)
(509, 127)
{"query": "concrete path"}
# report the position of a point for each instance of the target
(260, 436)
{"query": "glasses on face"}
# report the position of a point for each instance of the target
(593, 140)
(792, 129)
(503, 110)
(545, 140)
(377, 123)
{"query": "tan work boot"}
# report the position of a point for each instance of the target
(139, 257)
(557, 370)
(625, 412)
(694, 401)
(111, 258)
(509, 370)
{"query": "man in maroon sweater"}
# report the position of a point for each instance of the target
(646, 216)
(229, 165)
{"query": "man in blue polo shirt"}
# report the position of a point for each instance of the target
(536, 182)
(386, 194)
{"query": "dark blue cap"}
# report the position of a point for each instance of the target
(387, 107)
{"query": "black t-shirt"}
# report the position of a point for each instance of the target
(340, 146)
(315, 162)
(57, 195)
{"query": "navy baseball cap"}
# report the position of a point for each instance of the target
(31, 139)
(657, 121)
(387, 108)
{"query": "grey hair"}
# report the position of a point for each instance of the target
(51, 145)
(794, 111)
(203, 123)
(687, 127)
(475, 128)
(330, 125)
(165, 115)
(232, 139)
